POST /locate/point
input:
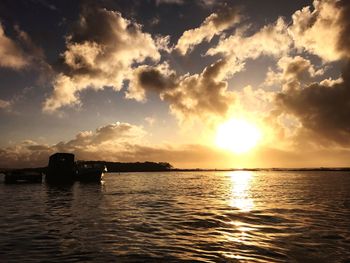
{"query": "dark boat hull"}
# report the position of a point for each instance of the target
(60, 178)
(89, 176)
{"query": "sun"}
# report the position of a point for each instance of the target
(237, 135)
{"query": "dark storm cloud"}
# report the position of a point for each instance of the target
(322, 109)
(152, 79)
(157, 79)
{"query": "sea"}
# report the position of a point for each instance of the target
(238, 216)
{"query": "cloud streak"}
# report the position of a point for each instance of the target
(271, 40)
(11, 54)
(225, 18)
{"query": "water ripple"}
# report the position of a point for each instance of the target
(182, 217)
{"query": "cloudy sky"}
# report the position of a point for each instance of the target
(210, 84)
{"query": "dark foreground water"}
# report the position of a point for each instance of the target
(177, 217)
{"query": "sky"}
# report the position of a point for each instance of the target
(199, 84)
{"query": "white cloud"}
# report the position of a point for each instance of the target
(198, 96)
(293, 72)
(64, 93)
(319, 31)
(101, 52)
(272, 40)
(203, 95)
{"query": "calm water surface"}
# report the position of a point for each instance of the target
(178, 217)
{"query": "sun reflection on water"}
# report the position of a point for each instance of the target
(240, 192)
(240, 198)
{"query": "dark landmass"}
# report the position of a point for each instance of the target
(119, 167)
(113, 167)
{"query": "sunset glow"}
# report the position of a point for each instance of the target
(207, 84)
(175, 130)
(238, 136)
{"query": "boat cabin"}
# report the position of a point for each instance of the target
(61, 167)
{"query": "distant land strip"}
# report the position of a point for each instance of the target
(120, 167)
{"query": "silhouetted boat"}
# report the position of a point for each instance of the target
(61, 168)
(89, 172)
(23, 176)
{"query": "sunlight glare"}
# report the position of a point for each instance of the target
(241, 190)
(237, 135)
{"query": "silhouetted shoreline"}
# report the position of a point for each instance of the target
(121, 167)
(112, 167)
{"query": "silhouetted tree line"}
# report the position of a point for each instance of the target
(117, 167)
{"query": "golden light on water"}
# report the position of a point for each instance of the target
(241, 199)
(240, 193)
(237, 135)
